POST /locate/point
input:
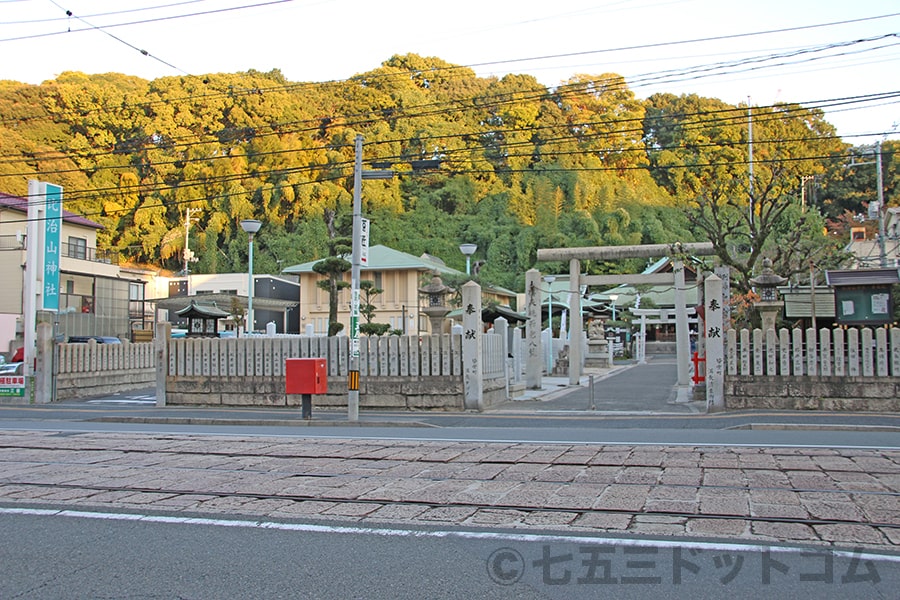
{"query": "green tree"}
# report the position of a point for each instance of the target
(333, 268)
(367, 309)
(700, 151)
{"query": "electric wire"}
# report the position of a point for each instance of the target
(118, 39)
(145, 21)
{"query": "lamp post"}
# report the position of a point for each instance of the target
(549, 279)
(468, 250)
(251, 226)
(612, 300)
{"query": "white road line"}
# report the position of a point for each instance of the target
(121, 401)
(427, 533)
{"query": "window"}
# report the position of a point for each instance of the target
(136, 300)
(77, 248)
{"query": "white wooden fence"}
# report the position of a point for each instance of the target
(83, 370)
(93, 357)
(389, 356)
(838, 352)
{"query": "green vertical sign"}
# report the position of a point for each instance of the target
(52, 240)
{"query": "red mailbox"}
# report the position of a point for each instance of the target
(305, 376)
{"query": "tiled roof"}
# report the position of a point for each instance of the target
(20, 204)
(382, 258)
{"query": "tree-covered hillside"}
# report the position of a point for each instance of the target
(521, 166)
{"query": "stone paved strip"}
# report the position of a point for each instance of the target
(820, 496)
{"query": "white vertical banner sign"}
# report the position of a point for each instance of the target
(715, 344)
(354, 323)
(52, 244)
(364, 242)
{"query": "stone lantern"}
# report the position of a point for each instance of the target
(769, 304)
(436, 308)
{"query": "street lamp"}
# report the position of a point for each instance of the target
(468, 250)
(251, 226)
(612, 300)
(549, 279)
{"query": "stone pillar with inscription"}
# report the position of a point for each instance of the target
(715, 344)
(473, 379)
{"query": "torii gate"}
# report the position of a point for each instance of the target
(575, 256)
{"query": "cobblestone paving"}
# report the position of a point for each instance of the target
(836, 497)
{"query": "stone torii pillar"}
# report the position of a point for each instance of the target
(575, 255)
(575, 329)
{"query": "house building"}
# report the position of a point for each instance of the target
(275, 299)
(97, 296)
(399, 275)
(866, 249)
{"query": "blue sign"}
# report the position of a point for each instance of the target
(52, 239)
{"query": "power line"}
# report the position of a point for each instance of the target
(118, 39)
(683, 42)
(484, 102)
(647, 79)
(104, 14)
(545, 145)
(732, 115)
(145, 21)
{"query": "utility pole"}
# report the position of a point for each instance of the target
(804, 180)
(356, 266)
(188, 254)
(356, 256)
(750, 139)
(882, 243)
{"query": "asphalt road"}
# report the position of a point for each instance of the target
(50, 554)
(53, 553)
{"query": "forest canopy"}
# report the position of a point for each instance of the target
(512, 166)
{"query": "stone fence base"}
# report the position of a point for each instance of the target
(395, 393)
(870, 394)
(71, 386)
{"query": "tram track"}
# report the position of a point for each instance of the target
(619, 487)
(433, 505)
(435, 479)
